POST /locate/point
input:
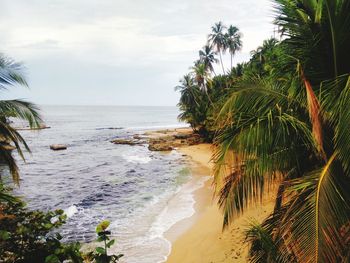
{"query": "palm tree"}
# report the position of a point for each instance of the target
(207, 57)
(217, 40)
(190, 101)
(201, 75)
(296, 136)
(233, 40)
(188, 90)
(263, 56)
(11, 75)
(238, 70)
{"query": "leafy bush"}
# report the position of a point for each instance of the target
(100, 255)
(28, 236)
(31, 237)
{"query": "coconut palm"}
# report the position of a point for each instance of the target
(207, 57)
(191, 104)
(263, 56)
(217, 40)
(188, 90)
(238, 70)
(11, 74)
(201, 75)
(233, 40)
(297, 136)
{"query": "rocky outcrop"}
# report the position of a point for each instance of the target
(194, 139)
(168, 143)
(162, 140)
(183, 136)
(160, 144)
(57, 147)
(126, 141)
(40, 127)
(160, 147)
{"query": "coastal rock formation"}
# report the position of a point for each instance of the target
(164, 140)
(183, 136)
(167, 141)
(40, 127)
(57, 147)
(162, 146)
(127, 141)
(194, 139)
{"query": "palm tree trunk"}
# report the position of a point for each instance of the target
(279, 198)
(231, 60)
(222, 65)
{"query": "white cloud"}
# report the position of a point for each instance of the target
(137, 35)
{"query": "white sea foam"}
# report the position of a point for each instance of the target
(146, 238)
(137, 159)
(70, 211)
(179, 207)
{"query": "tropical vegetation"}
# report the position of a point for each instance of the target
(280, 124)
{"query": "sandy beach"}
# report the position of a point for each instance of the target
(202, 239)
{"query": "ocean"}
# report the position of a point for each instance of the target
(142, 193)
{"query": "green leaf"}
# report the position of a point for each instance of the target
(110, 243)
(52, 259)
(4, 235)
(48, 226)
(100, 250)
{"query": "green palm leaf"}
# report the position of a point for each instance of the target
(11, 75)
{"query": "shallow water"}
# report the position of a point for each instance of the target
(142, 193)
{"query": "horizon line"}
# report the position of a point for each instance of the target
(106, 105)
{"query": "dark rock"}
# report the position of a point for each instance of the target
(137, 137)
(182, 136)
(110, 128)
(160, 147)
(57, 147)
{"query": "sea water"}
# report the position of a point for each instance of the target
(142, 193)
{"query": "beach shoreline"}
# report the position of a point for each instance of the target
(200, 238)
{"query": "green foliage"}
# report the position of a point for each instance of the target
(201, 94)
(283, 119)
(101, 255)
(32, 236)
(291, 100)
(11, 74)
(29, 236)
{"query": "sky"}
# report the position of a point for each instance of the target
(118, 52)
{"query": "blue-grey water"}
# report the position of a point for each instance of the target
(95, 180)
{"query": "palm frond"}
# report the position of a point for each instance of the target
(22, 110)
(11, 73)
(317, 214)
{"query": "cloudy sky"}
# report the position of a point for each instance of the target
(118, 52)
